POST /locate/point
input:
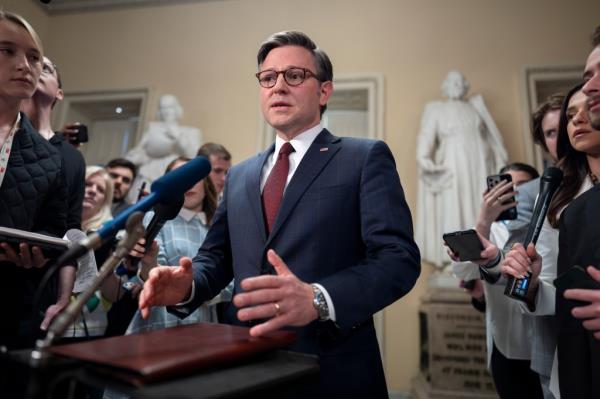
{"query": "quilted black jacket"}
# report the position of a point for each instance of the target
(33, 195)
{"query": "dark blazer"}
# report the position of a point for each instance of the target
(343, 223)
(33, 197)
(578, 350)
(74, 168)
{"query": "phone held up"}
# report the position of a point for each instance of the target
(492, 181)
(465, 244)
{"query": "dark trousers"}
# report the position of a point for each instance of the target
(514, 378)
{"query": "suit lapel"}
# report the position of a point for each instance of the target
(318, 155)
(253, 190)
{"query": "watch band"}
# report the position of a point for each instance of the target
(320, 303)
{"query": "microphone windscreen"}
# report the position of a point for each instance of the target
(552, 174)
(172, 185)
(168, 211)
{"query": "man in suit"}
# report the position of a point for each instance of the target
(322, 259)
(578, 309)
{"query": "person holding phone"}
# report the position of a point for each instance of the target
(509, 355)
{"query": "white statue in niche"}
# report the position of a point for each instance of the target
(164, 141)
(458, 146)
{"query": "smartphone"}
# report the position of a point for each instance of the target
(82, 134)
(575, 277)
(493, 180)
(466, 244)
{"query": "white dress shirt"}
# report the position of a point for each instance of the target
(301, 144)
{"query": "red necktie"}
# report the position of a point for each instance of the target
(273, 190)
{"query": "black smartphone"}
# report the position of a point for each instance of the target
(493, 180)
(575, 277)
(465, 244)
(82, 134)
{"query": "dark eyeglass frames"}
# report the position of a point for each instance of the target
(293, 76)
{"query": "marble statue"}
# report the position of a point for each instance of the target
(163, 141)
(457, 147)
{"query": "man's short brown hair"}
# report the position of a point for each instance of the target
(215, 149)
(553, 103)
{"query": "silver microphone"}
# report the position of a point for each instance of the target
(134, 230)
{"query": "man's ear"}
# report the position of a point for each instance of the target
(60, 95)
(325, 91)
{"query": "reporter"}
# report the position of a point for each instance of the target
(578, 148)
(178, 238)
(508, 329)
(32, 193)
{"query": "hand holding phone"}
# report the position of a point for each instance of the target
(465, 244)
(500, 194)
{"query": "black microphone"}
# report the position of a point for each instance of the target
(549, 183)
(167, 189)
(162, 213)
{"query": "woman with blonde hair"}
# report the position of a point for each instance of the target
(98, 198)
(32, 193)
(96, 211)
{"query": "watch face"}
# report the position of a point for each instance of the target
(320, 304)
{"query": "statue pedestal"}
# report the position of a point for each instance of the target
(453, 348)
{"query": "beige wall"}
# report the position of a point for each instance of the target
(204, 53)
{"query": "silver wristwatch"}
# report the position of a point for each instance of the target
(320, 303)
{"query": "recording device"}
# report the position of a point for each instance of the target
(82, 134)
(465, 244)
(575, 277)
(549, 183)
(492, 181)
(162, 213)
(167, 189)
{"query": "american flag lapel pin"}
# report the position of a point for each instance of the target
(323, 149)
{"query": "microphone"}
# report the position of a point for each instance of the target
(549, 183)
(134, 231)
(167, 189)
(162, 213)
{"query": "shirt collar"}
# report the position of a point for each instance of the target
(188, 215)
(301, 142)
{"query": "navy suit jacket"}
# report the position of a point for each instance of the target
(578, 350)
(343, 223)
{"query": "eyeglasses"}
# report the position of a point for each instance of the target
(293, 76)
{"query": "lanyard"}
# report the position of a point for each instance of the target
(6, 147)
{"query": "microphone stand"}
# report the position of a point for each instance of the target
(134, 230)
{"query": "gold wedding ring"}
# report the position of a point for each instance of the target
(277, 308)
